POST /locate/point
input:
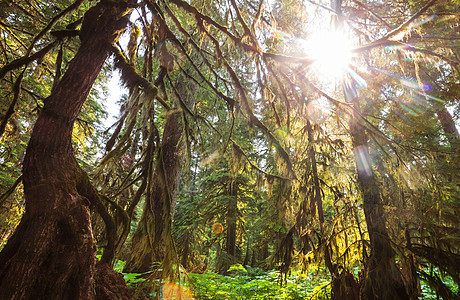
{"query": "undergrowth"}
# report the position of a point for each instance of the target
(256, 284)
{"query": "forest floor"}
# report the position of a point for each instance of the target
(250, 283)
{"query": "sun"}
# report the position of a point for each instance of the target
(331, 51)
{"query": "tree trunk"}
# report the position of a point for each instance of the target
(232, 211)
(227, 256)
(382, 278)
(152, 241)
(319, 202)
(341, 287)
(186, 250)
(51, 254)
(247, 256)
(450, 130)
(431, 76)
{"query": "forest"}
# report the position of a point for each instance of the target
(230, 149)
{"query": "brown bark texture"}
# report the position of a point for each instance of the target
(448, 125)
(51, 255)
(110, 284)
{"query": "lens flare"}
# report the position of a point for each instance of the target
(317, 111)
(363, 161)
(173, 291)
(273, 33)
(415, 100)
(217, 228)
(280, 133)
(352, 84)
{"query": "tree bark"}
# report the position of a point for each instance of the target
(232, 211)
(228, 255)
(247, 256)
(186, 250)
(51, 255)
(150, 241)
(382, 278)
(450, 130)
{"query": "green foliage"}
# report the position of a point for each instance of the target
(131, 278)
(254, 283)
(429, 289)
(237, 269)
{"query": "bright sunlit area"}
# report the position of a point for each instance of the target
(331, 50)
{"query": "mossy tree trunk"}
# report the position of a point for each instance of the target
(382, 277)
(51, 255)
(231, 218)
(152, 240)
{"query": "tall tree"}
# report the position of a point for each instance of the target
(51, 254)
(152, 241)
(382, 278)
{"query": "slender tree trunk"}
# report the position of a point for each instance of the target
(342, 287)
(247, 256)
(186, 250)
(382, 278)
(444, 116)
(448, 125)
(51, 254)
(227, 257)
(319, 202)
(152, 241)
(232, 211)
